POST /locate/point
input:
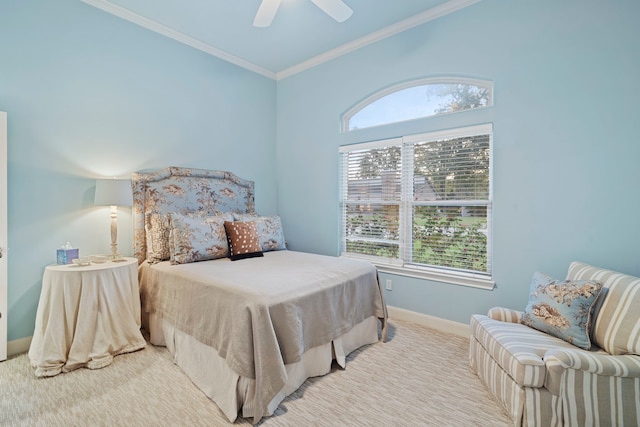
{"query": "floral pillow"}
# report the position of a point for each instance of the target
(243, 240)
(197, 238)
(562, 309)
(269, 231)
(157, 229)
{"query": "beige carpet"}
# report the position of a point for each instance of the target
(420, 377)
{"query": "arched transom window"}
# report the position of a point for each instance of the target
(419, 99)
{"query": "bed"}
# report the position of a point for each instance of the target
(247, 319)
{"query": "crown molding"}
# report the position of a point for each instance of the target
(152, 25)
(414, 21)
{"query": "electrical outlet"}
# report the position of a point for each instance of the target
(388, 285)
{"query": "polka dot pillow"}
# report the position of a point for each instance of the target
(243, 240)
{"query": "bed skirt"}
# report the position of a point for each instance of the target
(210, 373)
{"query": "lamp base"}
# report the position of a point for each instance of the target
(116, 257)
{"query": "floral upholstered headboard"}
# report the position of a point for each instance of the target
(186, 191)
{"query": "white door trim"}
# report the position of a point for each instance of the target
(3, 235)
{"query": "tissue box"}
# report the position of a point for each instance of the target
(65, 256)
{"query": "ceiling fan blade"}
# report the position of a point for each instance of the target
(336, 9)
(266, 13)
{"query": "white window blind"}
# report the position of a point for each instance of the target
(421, 201)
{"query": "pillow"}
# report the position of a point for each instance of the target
(197, 238)
(243, 240)
(562, 309)
(269, 231)
(157, 227)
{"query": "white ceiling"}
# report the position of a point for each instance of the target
(300, 37)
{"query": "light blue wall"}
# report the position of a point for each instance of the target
(566, 149)
(90, 95)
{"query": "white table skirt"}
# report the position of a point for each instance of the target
(86, 315)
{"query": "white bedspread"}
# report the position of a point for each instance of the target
(262, 313)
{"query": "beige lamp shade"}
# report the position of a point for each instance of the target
(113, 192)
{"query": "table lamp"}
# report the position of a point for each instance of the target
(114, 193)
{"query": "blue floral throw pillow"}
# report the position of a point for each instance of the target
(197, 238)
(562, 308)
(269, 231)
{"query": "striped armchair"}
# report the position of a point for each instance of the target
(541, 380)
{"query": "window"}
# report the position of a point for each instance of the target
(421, 203)
(417, 99)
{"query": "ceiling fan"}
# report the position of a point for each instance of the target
(336, 9)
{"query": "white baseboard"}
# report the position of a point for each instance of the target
(437, 323)
(449, 326)
(18, 346)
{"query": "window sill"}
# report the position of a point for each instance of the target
(460, 279)
(454, 278)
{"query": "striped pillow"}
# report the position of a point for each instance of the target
(616, 328)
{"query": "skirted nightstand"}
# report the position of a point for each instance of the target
(86, 316)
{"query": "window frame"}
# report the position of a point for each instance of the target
(349, 114)
(399, 265)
